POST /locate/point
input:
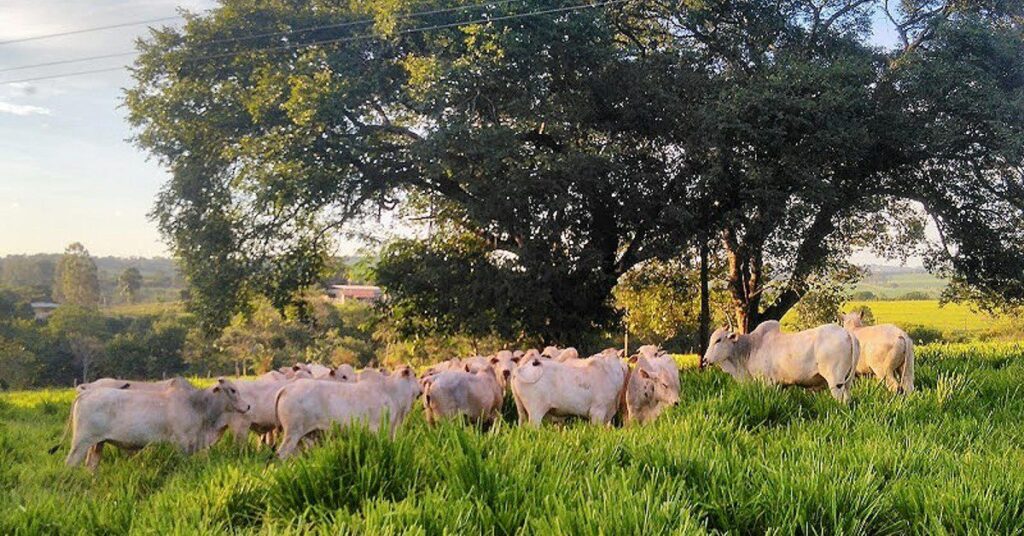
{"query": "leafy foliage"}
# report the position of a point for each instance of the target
(77, 280)
(585, 143)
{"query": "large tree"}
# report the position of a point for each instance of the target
(129, 283)
(77, 280)
(576, 142)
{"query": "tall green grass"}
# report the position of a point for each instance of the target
(730, 459)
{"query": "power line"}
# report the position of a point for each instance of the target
(266, 34)
(89, 30)
(346, 39)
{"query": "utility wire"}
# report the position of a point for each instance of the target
(345, 39)
(88, 30)
(266, 34)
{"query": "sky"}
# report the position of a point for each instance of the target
(67, 170)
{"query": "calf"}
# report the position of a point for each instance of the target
(653, 385)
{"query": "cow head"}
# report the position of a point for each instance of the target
(722, 346)
(504, 364)
(344, 373)
(661, 389)
(227, 389)
(405, 377)
(853, 319)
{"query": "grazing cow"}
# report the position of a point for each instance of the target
(885, 351)
(307, 407)
(583, 387)
(653, 385)
(477, 395)
(113, 383)
(190, 419)
(824, 356)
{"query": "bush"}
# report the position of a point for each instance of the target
(864, 295)
(916, 295)
(19, 368)
(925, 334)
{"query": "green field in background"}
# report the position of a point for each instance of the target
(949, 317)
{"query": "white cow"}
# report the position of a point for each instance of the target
(824, 356)
(477, 395)
(885, 351)
(307, 407)
(113, 383)
(653, 385)
(567, 354)
(588, 388)
(190, 419)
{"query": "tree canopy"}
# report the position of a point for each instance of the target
(556, 145)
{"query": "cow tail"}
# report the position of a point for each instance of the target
(854, 357)
(277, 404)
(907, 369)
(67, 427)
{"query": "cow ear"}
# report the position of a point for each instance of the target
(296, 368)
(494, 360)
(220, 381)
(515, 359)
(644, 374)
(633, 358)
(405, 372)
(467, 367)
(733, 337)
(216, 389)
(331, 374)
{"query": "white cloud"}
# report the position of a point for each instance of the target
(22, 109)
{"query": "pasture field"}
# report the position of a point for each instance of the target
(952, 318)
(729, 459)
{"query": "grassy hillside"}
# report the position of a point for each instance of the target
(746, 459)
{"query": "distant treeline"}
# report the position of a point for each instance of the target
(35, 275)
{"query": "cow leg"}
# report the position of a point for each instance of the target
(92, 459)
(521, 410)
(79, 452)
(288, 445)
(890, 381)
(536, 416)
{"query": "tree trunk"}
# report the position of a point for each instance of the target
(704, 331)
(745, 273)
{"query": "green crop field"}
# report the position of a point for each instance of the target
(730, 458)
(950, 318)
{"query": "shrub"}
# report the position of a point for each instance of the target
(924, 334)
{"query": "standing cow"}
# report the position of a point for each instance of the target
(823, 356)
(588, 388)
(473, 393)
(885, 351)
(306, 407)
(190, 419)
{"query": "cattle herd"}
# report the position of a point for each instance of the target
(291, 406)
